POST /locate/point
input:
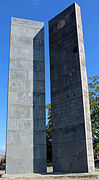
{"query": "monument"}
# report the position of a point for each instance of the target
(26, 127)
(71, 124)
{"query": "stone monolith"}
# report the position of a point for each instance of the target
(26, 129)
(71, 124)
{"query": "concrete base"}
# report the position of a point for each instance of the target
(51, 176)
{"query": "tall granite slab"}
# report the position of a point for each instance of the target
(71, 124)
(26, 129)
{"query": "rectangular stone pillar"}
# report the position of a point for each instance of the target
(26, 127)
(71, 124)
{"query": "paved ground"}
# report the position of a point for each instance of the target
(51, 176)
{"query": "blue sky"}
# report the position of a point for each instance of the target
(44, 10)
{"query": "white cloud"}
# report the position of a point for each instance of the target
(2, 148)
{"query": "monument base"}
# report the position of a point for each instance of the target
(51, 176)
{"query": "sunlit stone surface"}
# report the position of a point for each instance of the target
(26, 130)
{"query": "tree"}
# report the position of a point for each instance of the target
(94, 110)
(49, 135)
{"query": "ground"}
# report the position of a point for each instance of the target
(51, 176)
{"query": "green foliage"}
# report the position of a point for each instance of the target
(3, 163)
(49, 135)
(48, 106)
(94, 109)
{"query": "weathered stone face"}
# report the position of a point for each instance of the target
(26, 130)
(71, 125)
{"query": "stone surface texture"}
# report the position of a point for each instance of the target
(71, 124)
(26, 129)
